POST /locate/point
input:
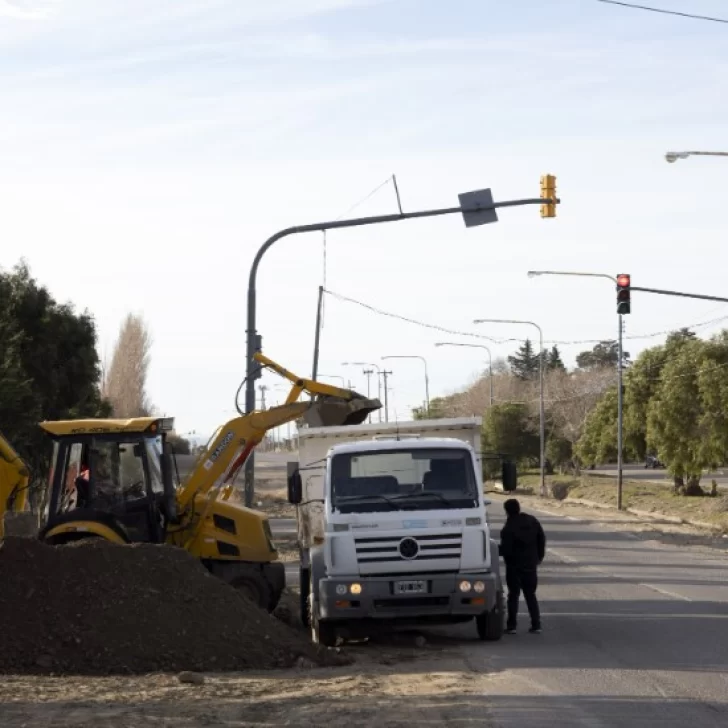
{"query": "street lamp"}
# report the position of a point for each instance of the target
(427, 379)
(476, 346)
(620, 365)
(379, 379)
(335, 376)
(542, 426)
(674, 156)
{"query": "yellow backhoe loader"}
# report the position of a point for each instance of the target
(113, 479)
(14, 480)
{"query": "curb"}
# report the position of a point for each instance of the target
(654, 515)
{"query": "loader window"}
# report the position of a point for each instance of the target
(403, 479)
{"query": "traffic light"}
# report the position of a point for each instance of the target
(623, 293)
(548, 192)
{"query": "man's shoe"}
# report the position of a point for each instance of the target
(535, 630)
(511, 630)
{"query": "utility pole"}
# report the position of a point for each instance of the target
(386, 374)
(263, 388)
(368, 373)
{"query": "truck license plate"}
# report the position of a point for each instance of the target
(410, 587)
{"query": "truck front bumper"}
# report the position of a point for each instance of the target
(378, 597)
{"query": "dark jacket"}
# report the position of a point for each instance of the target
(523, 542)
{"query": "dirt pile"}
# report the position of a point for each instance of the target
(97, 608)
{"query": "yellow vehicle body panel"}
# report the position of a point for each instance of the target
(61, 428)
(225, 531)
(14, 482)
(89, 528)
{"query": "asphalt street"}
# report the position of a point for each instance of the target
(635, 634)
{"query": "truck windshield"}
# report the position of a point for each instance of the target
(403, 479)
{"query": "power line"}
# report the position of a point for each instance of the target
(495, 340)
(633, 6)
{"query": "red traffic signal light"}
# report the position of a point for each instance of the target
(623, 293)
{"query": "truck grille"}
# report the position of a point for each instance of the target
(423, 552)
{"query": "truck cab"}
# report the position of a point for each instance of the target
(401, 536)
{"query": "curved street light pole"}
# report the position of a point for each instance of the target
(427, 378)
(541, 416)
(620, 368)
(674, 156)
(334, 376)
(477, 208)
(476, 346)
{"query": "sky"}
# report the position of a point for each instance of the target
(148, 148)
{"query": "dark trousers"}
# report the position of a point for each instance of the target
(526, 581)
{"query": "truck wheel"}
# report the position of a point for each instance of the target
(490, 624)
(322, 632)
(305, 582)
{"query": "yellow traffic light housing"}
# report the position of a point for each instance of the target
(548, 192)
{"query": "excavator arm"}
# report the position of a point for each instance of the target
(231, 445)
(14, 480)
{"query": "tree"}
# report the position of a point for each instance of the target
(598, 442)
(525, 362)
(553, 360)
(603, 354)
(572, 397)
(510, 429)
(180, 445)
(49, 366)
(687, 420)
(125, 383)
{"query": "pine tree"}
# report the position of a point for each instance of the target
(553, 360)
(525, 362)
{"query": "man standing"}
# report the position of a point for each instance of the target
(523, 547)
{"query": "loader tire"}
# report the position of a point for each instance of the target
(255, 587)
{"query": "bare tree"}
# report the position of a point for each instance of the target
(572, 396)
(125, 379)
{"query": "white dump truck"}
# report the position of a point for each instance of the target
(393, 528)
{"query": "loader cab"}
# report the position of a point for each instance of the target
(115, 474)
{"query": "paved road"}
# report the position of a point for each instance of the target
(639, 472)
(266, 463)
(635, 634)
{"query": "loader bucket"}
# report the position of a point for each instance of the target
(333, 412)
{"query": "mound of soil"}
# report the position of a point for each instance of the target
(97, 608)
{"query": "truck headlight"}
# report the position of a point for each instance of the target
(465, 586)
(479, 587)
(341, 589)
(355, 588)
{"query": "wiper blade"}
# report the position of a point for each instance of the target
(424, 493)
(354, 498)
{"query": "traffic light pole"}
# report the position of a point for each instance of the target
(620, 459)
(663, 292)
(474, 210)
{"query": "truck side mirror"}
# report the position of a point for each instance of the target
(509, 476)
(295, 484)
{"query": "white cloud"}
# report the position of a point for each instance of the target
(28, 9)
